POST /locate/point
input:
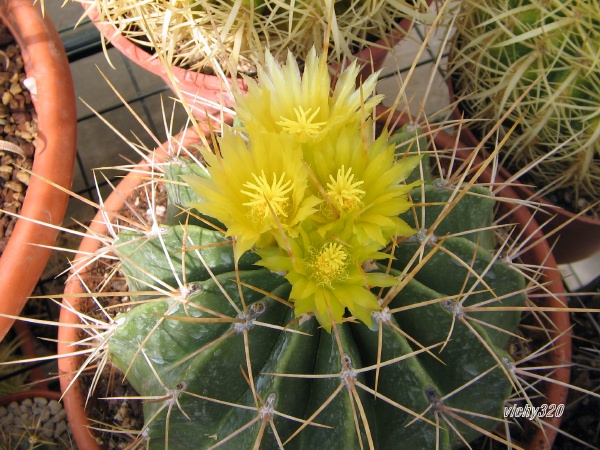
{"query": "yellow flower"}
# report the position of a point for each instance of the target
(327, 277)
(256, 190)
(284, 101)
(361, 184)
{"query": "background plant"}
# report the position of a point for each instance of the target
(232, 34)
(503, 48)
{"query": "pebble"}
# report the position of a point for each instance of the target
(24, 135)
(43, 419)
(41, 401)
(54, 406)
(44, 414)
(14, 186)
(15, 88)
(23, 177)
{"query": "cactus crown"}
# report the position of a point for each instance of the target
(323, 290)
(550, 52)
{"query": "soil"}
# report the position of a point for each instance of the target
(18, 129)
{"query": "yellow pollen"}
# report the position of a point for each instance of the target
(343, 190)
(329, 264)
(302, 124)
(267, 197)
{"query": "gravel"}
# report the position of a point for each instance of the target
(34, 421)
(18, 130)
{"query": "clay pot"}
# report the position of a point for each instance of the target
(24, 258)
(539, 255)
(572, 237)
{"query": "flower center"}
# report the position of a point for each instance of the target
(303, 125)
(267, 199)
(343, 190)
(329, 264)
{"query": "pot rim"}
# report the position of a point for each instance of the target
(44, 206)
(32, 393)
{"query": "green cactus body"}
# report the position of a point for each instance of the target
(221, 358)
(503, 48)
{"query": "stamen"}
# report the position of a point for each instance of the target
(265, 196)
(302, 124)
(329, 264)
(343, 190)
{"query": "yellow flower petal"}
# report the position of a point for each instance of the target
(282, 100)
(256, 190)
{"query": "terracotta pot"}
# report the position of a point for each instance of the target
(23, 260)
(539, 254)
(208, 95)
(576, 237)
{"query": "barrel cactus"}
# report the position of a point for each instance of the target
(235, 33)
(549, 52)
(316, 286)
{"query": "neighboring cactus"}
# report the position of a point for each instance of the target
(344, 304)
(503, 48)
(235, 33)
